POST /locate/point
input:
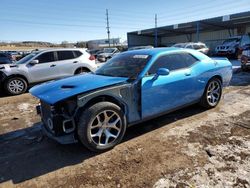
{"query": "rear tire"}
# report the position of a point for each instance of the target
(212, 94)
(101, 126)
(15, 86)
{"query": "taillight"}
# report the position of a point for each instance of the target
(91, 57)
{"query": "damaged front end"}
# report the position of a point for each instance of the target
(58, 121)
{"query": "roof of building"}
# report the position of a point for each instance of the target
(212, 24)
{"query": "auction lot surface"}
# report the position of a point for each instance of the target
(192, 147)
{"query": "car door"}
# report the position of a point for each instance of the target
(168, 92)
(45, 69)
(67, 63)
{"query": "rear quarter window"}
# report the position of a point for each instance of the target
(77, 53)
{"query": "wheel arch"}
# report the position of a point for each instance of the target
(82, 67)
(215, 76)
(218, 77)
(17, 75)
(105, 98)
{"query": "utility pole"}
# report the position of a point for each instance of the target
(156, 37)
(107, 15)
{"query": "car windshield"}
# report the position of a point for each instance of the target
(108, 50)
(27, 58)
(124, 65)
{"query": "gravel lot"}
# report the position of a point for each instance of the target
(192, 147)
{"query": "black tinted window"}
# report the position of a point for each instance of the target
(173, 62)
(64, 55)
(46, 57)
(196, 46)
(77, 54)
(190, 46)
(188, 59)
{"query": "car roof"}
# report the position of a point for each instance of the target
(60, 49)
(154, 51)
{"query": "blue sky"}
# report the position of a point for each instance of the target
(81, 20)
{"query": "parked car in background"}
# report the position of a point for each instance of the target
(232, 46)
(107, 53)
(140, 47)
(201, 47)
(95, 52)
(245, 58)
(15, 55)
(44, 65)
(131, 87)
(5, 58)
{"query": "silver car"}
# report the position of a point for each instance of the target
(41, 66)
(198, 46)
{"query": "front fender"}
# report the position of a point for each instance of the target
(122, 94)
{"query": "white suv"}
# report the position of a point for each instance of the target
(44, 65)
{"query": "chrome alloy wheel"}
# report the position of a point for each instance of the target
(105, 128)
(213, 93)
(16, 86)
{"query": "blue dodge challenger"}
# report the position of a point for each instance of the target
(132, 87)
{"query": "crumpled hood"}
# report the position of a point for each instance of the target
(55, 91)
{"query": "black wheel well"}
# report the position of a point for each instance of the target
(218, 77)
(84, 68)
(17, 75)
(103, 98)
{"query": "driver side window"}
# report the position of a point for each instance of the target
(46, 57)
(171, 62)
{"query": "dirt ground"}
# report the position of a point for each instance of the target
(192, 147)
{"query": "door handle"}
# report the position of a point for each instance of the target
(53, 65)
(75, 62)
(187, 74)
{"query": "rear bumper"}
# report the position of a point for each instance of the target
(65, 139)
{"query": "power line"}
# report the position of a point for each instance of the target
(198, 10)
(94, 11)
(63, 25)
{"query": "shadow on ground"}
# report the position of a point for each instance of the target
(27, 154)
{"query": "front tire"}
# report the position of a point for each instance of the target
(101, 126)
(212, 94)
(15, 86)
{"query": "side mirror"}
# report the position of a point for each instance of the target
(161, 72)
(34, 62)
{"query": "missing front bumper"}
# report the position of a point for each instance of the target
(64, 139)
